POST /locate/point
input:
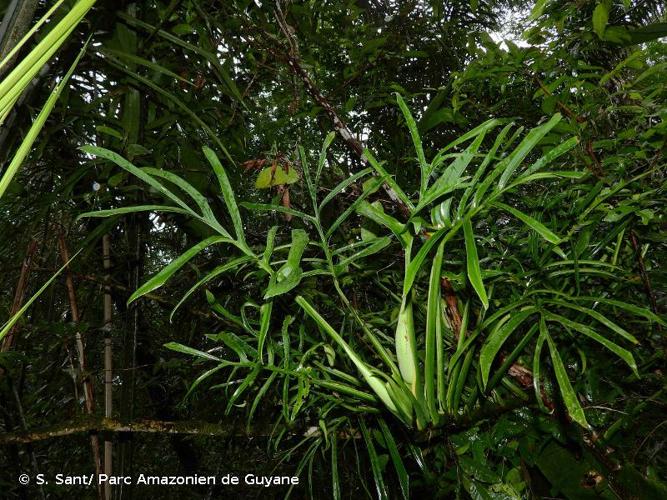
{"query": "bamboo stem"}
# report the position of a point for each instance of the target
(19, 293)
(85, 376)
(108, 360)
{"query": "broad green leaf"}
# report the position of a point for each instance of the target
(103, 129)
(236, 344)
(290, 274)
(600, 18)
(538, 9)
(482, 128)
(276, 176)
(270, 242)
(636, 310)
(137, 172)
(472, 263)
(248, 381)
(537, 364)
(196, 196)
(376, 246)
(374, 212)
(648, 33)
(323, 154)
(574, 409)
(335, 479)
(488, 158)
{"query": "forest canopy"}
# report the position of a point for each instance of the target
(338, 249)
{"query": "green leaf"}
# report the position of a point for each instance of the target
(624, 354)
(290, 274)
(276, 176)
(406, 346)
(133, 58)
(377, 245)
(537, 365)
(212, 57)
(102, 129)
(335, 479)
(232, 264)
(265, 207)
(536, 226)
(196, 196)
(569, 396)
(323, 154)
(29, 139)
(175, 100)
(388, 179)
(647, 33)
(137, 172)
(264, 323)
(472, 260)
(375, 183)
(600, 317)
(377, 468)
(129, 210)
(12, 321)
(167, 272)
(538, 9)
(375, 212)
(175, 346)
(524, 148)
(394, 453)
(504, 328)
(600, 18)
(227, 193)
(343, 184)
(416, 140)
(432, 375)
(372, 379)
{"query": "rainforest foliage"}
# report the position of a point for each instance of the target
(394, 248)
